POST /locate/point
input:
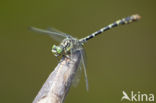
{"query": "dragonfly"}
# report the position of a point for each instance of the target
(69, 44)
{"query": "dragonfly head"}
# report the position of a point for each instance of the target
(56, 50)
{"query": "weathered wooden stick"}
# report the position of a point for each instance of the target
(59, 81)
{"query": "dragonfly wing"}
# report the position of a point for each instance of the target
(55, 30)
(77, 77)
(83, 61)
(58, 31)
(55, 35)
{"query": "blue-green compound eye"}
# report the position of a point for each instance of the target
(54, 48)
(59, 50)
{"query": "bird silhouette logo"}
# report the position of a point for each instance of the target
(125, 96)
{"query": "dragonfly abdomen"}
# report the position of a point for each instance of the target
(115, 24)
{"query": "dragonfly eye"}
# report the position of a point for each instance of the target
(59, 50)
(54, 49)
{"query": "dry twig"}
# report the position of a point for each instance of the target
(59, 81)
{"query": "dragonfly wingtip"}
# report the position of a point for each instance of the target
(30, 27)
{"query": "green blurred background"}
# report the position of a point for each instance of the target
(123, 58)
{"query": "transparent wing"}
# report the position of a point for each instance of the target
(77, 77)
(55, 30)
(83, 61)
(58, 36)
(58, 31)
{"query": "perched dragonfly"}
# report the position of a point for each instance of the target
(71, 44)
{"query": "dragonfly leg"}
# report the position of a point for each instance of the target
(69, 57)
(58, 59)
